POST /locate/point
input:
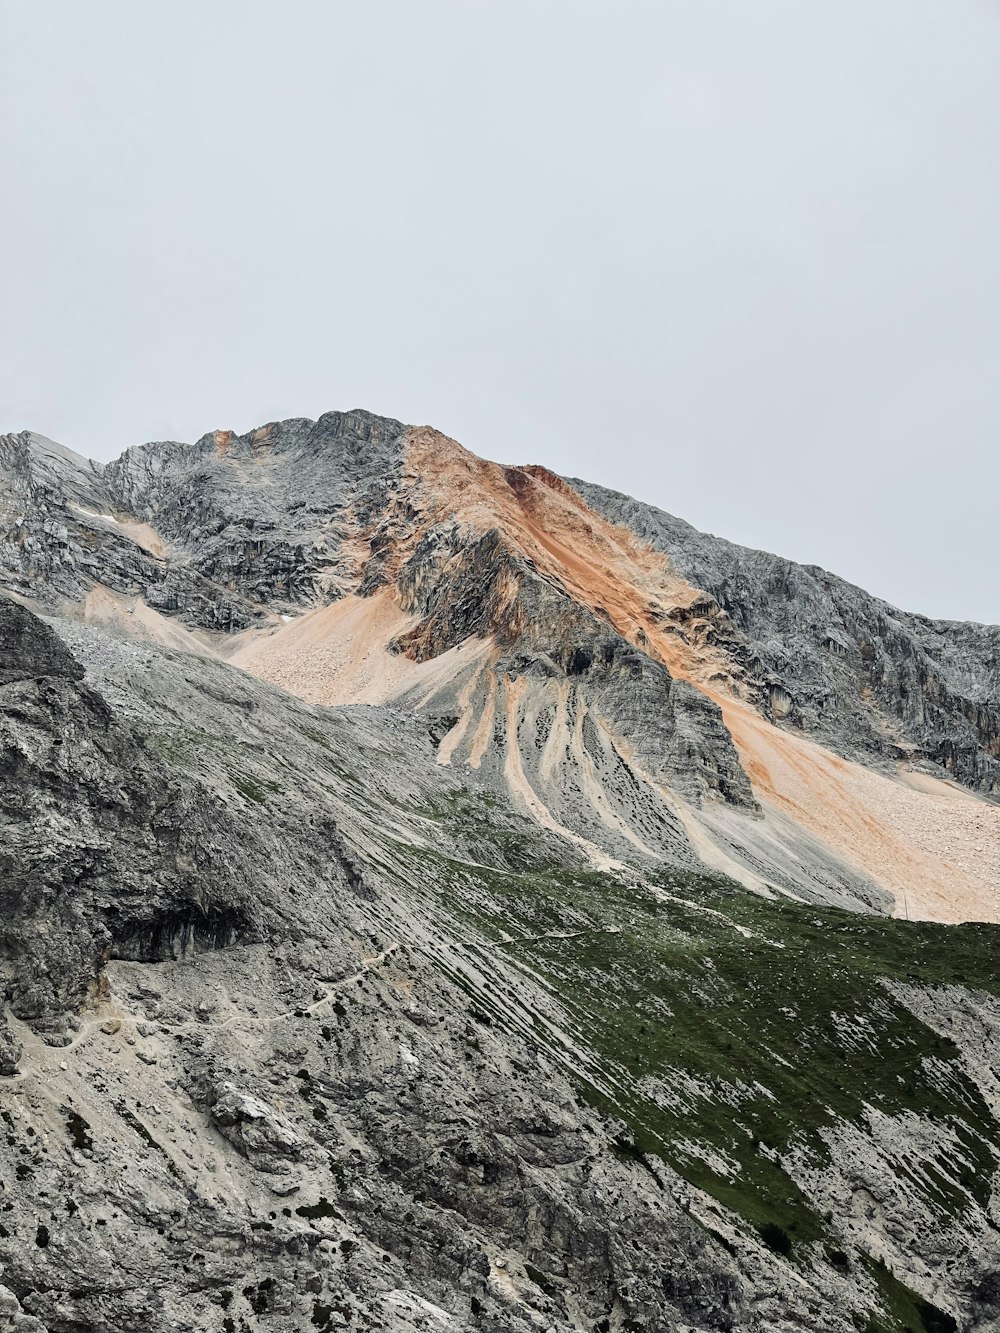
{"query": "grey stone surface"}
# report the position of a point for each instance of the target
(101, 851)
(267, 514)
(859, 675)
(461, 588)
(263, 1062)
(370, 1117)
(315, 1123)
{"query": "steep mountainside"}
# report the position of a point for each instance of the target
(856, 673)
(375, 934)
(652, 695)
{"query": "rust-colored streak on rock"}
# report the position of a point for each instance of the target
(869, 819)
(602, 566)
(916, 840)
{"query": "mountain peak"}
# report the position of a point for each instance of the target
(641, 689)
(476, 885)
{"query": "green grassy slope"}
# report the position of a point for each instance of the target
(728, 1030)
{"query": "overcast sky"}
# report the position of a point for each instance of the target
(740, 258)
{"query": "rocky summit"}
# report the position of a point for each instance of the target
(439, 895)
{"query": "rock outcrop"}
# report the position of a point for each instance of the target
(318, 1117)
(417, 1092)
(859, 675)
(270, 516)
(441, 1007)
(638, 687)
(102, 854)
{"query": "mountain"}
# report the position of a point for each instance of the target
(441, 894)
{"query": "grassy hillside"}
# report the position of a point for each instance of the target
(729, 1031)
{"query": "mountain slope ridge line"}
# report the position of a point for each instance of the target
(377, 563)
(322, 1014)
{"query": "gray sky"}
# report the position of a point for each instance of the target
(740, 258)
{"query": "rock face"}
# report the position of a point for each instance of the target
(270, 516)
(861, 676)
(101, 853)
(638, 686)
(487, 589)
(371, 949)
(320, 1116)
(409, 1094)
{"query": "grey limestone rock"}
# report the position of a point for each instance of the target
(29, 649)
(12, 1317)
(10, 1050)
(266, 515)
(311, 1030)
(101, 852)
(861, 676)
(257, 1132)
(461, 589)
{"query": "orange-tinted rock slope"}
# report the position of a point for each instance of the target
(632, 685)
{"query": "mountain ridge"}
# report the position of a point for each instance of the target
(579, 484)
(744, 661)
(376, 947)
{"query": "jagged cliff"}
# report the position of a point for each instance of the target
(655, 695)
(434, 996)
(102, 852)
(859, 675)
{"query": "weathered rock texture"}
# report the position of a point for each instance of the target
(102, 853)
(402, 1107)
(270, 516)
(438, 1007)
(859, 675)
(625, 680)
